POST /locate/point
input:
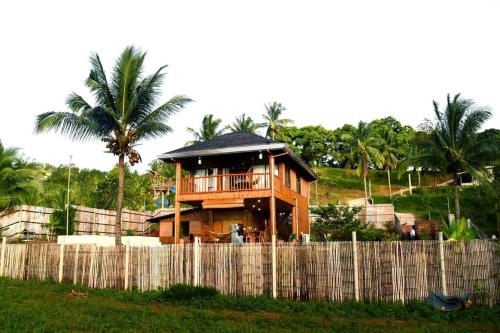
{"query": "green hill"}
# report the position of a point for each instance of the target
(479, 203)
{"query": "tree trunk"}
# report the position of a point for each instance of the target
(457, 197)
(389, 181)
(119, 200)
(366, 192)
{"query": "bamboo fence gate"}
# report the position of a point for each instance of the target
(385, 271)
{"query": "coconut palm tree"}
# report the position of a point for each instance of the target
(210, 128)
(125, 112)
(272, 119)
(389, 153)
(455, 140)
(18, 180)
(244, 124)
(362, 151)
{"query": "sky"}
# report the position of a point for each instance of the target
(329, 62)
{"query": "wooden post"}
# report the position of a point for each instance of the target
(196, 261)
(355, 265)
(61, 262)
(409, 182)
(2, 255)
(75, 269)
(295, 220)
(126, 268)
(272, 200)
(441, 263)
(273, 248)
(177, 227)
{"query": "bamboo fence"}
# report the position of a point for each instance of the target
(386, 271)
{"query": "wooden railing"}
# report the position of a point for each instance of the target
(225, 183)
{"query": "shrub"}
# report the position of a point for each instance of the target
(184, 292)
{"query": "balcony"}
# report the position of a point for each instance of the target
(237, 182)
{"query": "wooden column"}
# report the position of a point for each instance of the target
(177, 224)
(294, 219)
(272, 216)
(272, 200)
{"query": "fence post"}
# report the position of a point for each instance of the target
(126, 268)
(196, 261)
(355, 264)
(75, 270)
(409, 183)
(2, 255)
(61, 262)
(441, 263)
(273, 252)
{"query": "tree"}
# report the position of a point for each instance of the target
(210, 128)
(311, 143)
(389, 153)
(125, 112)
(17, 179)
(244, 124)
(454, 140)
(272, 119)
(336, 223)
(362, 151)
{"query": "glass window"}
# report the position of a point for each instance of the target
(298, 187)
(287, 177)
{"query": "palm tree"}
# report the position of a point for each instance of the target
(363, 151)
(18, 180)
(210, 128)
(125, 112)
(454, 139)
(389, 153)
(272, 119)
(244, 124)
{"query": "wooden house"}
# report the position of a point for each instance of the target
(237, 178)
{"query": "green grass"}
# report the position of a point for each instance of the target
(476, 203)
(32, 306)
(337, 184)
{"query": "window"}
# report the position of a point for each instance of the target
(287, 177)
(298, 187)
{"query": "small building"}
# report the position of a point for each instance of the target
(237, 178)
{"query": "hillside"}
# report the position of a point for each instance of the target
(479, 203)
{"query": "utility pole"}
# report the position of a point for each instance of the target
(316, 172)
(67, 196)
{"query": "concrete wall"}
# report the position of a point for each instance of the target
(108, 240)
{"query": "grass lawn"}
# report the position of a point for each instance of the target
(31, 306)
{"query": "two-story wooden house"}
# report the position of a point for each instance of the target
(237, 178)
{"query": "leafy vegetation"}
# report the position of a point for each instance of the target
(109, 310)
(336, 223)
(458, 231)
(184, 292)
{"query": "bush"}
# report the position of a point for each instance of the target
(184, 292)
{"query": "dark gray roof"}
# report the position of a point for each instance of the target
(231, 143)
(229, 140)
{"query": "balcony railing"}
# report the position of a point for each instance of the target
(225, 183)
